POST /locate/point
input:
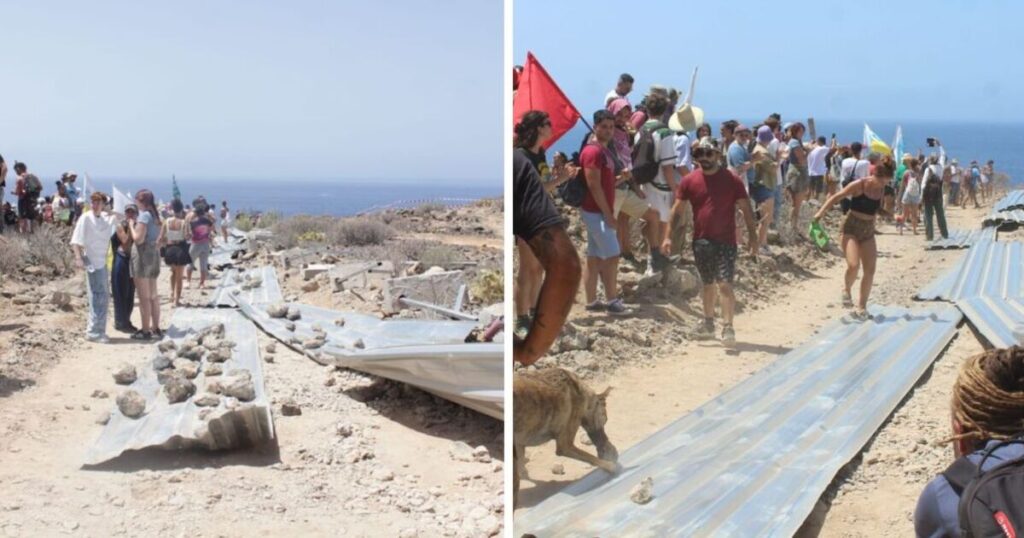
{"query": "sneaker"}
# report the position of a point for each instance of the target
(652, 271)
(101, 339)
(705, 330)
(728, 335)
(141, 335)
(617, 308)
(860, 315)
(596, 306)
(522, 328)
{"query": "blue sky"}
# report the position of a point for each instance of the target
(945, 61)
(255, 89)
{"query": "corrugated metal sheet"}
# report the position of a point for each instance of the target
(1012, 200)
(1005, 219)
(962, 239)
(174, 426)
(995, 318)
(755, 459)
(221, 255)
(428, 354)
(993, 269)
(231, 282)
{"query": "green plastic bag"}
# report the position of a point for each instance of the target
(818, 235)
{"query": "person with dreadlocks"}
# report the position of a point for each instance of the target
(987, 409)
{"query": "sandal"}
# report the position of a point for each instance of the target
(158, 333)
(847, 299)
(141, 335)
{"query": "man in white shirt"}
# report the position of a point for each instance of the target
(659, 192)
(955, 173)
(622, 89)
(90, 241)
(817, 167)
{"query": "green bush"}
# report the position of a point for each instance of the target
(488, 287)
(300, 229)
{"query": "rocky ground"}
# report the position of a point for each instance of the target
(354, 455)
(659, 375)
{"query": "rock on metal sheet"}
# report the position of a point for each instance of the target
(962, 239)
(266, 293)
(431, 355)
(175, 426)
(993, 269)
(995, 318)
(222, 253)
(754, 460)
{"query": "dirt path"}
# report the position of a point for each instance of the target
(395, 465)
(684, 374)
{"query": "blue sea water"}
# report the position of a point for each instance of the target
(1001, 142)
(291, 197)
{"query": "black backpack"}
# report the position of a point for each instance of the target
(574, 191)
(932, 186)
(645, 163)
(991, 502)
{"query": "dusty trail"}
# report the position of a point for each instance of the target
(682, 374)
(366, 457)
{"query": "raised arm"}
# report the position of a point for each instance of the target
(853, 189)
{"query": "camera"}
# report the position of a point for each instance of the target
(931, 142)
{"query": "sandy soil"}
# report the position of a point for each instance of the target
(662, 376)
(398, 463)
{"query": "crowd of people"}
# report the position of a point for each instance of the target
(662, 165)
(121, 252)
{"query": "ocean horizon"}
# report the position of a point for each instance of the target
(301, 196)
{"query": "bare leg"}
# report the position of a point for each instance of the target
(652, 230)
(767, 210)
(708, 296)
(590, 278)
(154, 304)
(609, 277)
(142, 288)
(531, 273)
(728, 302)
(868, 255)
(794, 216)
(852, 250)
(622, 232)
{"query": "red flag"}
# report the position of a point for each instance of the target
(537, 91)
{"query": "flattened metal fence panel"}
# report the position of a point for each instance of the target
(995, 318)
(993, 269)
(962, 239)
(755, 459)
(431, 355)
(230, 284)
(179, 425)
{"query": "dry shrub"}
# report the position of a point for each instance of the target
(46, 247)
(360, 231)
(439, 255)
(269, 219)
(428, 208)
(300, 228)
(488, 287)
(243, 222)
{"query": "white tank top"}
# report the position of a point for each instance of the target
(175, 236)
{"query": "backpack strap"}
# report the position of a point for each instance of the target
(960, 474)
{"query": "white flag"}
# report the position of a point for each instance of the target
(121, 200)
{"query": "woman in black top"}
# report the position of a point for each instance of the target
(858, 230)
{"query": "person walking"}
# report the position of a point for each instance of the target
(121, 285)
(145, 265)
(911, 195)
(858, 230)
(932, 196)
(90, 240)
(173, 238)
(797, 178)
(225, 219)
(955, 177)
(715, 193)
(27, 189)
(630, 200)
(658, 192)
(202, 231)
(597, 213)
(762, 189)
(817, 167)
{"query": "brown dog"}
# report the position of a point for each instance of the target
(552, 404)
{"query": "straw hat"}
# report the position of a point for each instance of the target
(687, 118)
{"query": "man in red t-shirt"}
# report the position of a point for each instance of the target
(597, 213)
(714, 192)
